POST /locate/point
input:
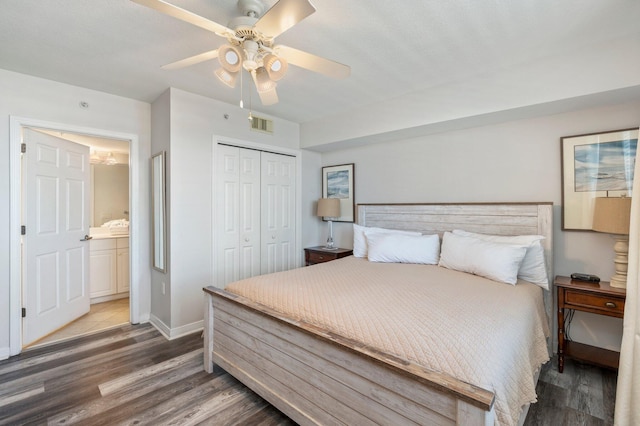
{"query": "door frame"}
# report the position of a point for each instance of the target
(296, 153)
(16, 124)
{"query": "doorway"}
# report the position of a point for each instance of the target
(55, 266)
(17, 293)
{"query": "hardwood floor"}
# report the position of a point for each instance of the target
(582, 395)
(132, 375)
(127, 375)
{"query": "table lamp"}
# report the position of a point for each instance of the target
(612, 215)
(329, 208)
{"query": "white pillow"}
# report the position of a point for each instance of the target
(397, 248)
(533, 268)
(496, 261)
(360, 241)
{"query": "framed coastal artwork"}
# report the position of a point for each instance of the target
(338, 182)
(595, 165)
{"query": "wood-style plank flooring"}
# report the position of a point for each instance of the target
(582, 395)
(129, 375)
(132, 375)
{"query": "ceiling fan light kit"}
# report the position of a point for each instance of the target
(228, 78)
(229, 57)
(250, 44)
(275, 66)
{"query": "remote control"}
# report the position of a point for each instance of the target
(585, 277)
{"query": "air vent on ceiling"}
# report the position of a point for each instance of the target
(260, 124)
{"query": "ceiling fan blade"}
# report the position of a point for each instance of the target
(269, 97)
(313, 63)
(185, 15)
(282, 16)
(212, 54)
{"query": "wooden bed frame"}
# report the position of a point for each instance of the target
(315, 377)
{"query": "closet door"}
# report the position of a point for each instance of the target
(237, 199)
(278, 212)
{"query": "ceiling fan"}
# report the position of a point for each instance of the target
(250, 44)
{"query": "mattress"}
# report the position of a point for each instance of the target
(486, 333)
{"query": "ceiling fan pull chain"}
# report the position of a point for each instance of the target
(241, 87)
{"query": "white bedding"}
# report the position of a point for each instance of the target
(486, 333)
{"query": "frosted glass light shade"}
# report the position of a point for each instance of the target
(263, 82)
(228, 78)
(230, 57)
(276, 67)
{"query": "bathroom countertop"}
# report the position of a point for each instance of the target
(107, 236)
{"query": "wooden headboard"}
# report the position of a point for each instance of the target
(485, 218)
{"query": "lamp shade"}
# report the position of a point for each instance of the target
(612, 215)
(328, 207)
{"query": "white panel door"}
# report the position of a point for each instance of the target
(278, 212)
(237, 199)
(56, 212)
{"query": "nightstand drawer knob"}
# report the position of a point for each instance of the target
(610, 305)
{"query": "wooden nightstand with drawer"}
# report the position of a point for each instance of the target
(597, 298)
(319, 254)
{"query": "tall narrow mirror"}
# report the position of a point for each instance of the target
(159, 211)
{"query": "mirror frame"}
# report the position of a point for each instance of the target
(159, 209)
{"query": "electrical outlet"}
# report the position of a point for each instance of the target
(164, 288)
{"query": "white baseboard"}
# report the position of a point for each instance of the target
(174, 333)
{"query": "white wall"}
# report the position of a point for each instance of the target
(160, 141)
(512, 161)
(194, 120)
(39, 99)
(312, 225)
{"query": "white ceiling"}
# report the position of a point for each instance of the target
(393, 47)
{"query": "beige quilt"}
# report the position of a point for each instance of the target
(490, 334)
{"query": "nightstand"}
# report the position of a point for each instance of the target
(319, 254)
(597, 298)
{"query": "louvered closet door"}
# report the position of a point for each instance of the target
(278, 212)
(237, 199)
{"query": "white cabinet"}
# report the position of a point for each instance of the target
(108, 266)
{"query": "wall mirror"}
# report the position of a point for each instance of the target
(158, 214)
(109, 193)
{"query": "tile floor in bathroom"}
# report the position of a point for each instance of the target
(101, 317)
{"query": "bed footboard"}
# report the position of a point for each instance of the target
(317, 378)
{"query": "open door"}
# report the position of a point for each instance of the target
(55, 209)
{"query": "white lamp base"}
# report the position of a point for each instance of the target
(621, 261)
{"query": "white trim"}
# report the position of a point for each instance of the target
(175, 333)
(262, 147)
(15, 264)
(160, 326)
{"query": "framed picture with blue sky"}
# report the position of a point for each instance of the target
(595, 165)
(338, 182)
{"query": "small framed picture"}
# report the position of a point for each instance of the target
(595, 165)
(338, 182)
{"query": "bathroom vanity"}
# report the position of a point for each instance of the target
(108, 267)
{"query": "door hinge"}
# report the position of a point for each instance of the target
(23, 230)
(23, 148)
(24, 312)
